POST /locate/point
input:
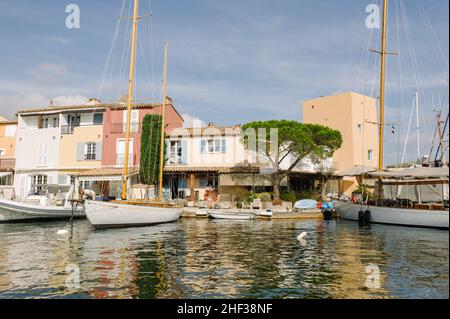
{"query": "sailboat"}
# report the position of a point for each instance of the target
(126, 213)
(429, 216)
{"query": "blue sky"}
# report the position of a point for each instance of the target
(230, 61)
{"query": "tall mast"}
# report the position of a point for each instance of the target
(163, 124)
(130, 100)
(418, 125)
(382, 96)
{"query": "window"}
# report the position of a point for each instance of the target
(86, 185)
(10, 130)
(6, 180)
(2, 152)
(176, 152)
(38, 183)
(42, 154)
(210, 180)
(134, 126)
(370, 155)
(98, 118)
(213, 146)
(90, 151)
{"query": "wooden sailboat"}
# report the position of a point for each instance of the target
(124, 213)
(414, 216)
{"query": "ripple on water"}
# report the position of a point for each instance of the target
(213, 259)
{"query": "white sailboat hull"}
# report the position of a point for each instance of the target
(218, 215)
(395, 216)
(11, 211)
(112, 215)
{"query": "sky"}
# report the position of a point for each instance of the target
(230, 62)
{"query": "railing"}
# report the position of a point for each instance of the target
(7, 163)
(120, 160)
(119, 128)
(68, 129)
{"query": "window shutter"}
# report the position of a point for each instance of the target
(98, 151)
(80, 152)
(62, 180)
(184, 152)
(224, 146)
(202, 146)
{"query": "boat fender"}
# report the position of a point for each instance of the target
(361, 217)
(367, 217)
(62, 232)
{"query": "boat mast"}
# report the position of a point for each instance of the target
(417, 125)
(382, 97)
(163, 124)
(130, 100)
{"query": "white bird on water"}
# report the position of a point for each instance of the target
(302, 236)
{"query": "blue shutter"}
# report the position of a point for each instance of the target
(80, 152)
(99, 151)
(224, 146)
(202, 146)
(184, 152)
(167, 151)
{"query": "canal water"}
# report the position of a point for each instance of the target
(224, 259)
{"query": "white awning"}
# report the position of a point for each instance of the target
(4, 174)
(418, 172)
(357, 171)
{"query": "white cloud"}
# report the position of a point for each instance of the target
(10, 103)
(70, 100)
(49, 72)
(192, 121)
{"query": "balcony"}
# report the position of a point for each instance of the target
(70, 129)
(119, 128)
(7, 164)
(120, 160)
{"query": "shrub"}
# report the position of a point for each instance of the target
(288, 197)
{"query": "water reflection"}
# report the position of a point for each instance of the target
(213, 259)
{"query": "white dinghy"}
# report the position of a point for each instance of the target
(231, 216)
(113, 215)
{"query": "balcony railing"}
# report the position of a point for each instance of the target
(68, 129)
(119, 128)
(120, 160)
(7, 163)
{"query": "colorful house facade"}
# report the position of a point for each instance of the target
(56, 144)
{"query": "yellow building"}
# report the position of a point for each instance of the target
(355, 116)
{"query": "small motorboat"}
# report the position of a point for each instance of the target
(266, 213)
(40, 208)
(232, 216)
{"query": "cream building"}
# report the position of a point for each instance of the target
(355, 116)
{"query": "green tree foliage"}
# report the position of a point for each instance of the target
(150, 149)
(294, 139)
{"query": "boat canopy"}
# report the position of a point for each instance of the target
(418, 173)
(357, 171)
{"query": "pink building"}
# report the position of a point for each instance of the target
(115, 130)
